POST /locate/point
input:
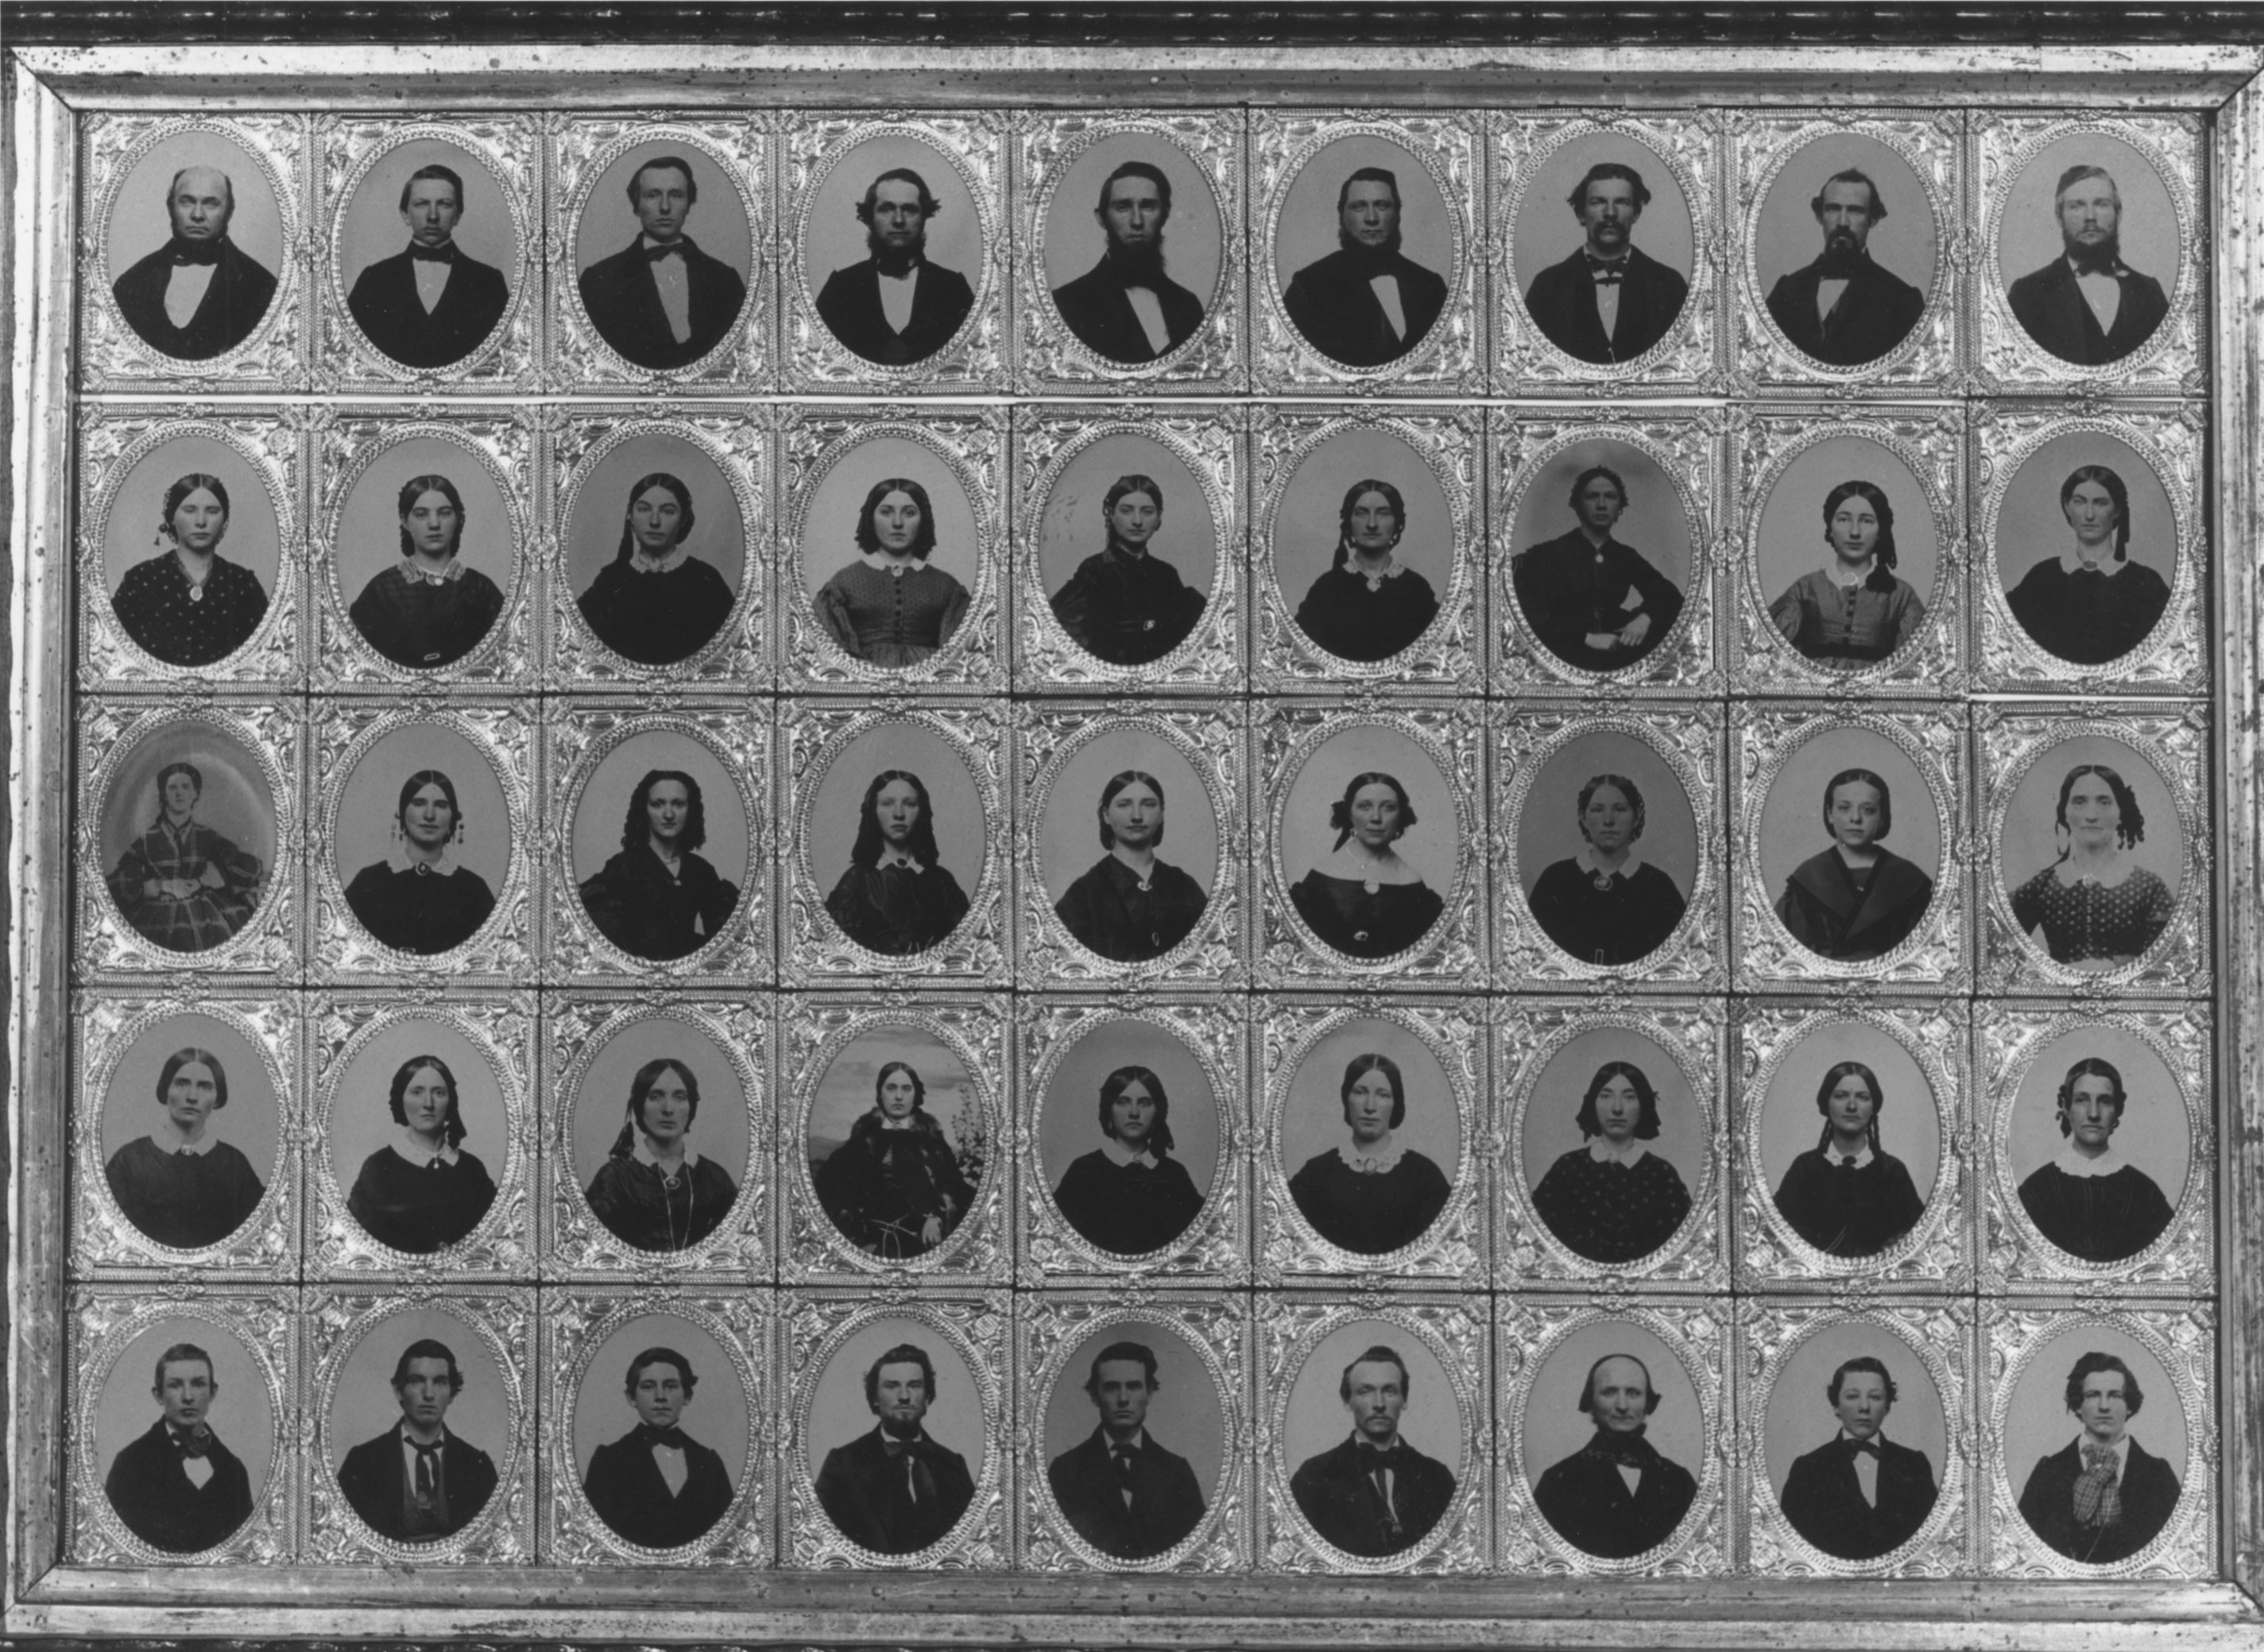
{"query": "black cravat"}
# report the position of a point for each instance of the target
(1607, 274)
(180, 251)
(920, 1479)
(2094, 264)
(1374, 1463)
(194, 1443)
(444, 254)
(665, 249)
(672, 1437)
(1629, 1451)
(1851, 1447)
(428, 1473)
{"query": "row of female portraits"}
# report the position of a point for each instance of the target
(1183, 549)
(1036, 251)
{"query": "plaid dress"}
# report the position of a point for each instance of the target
(203, 919)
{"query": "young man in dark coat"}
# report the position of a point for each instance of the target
(450, 1480)
(657, 1485)
(1123, 1492)
(1366, 303)
(660, 302)
(177, 1488)
(1860, 1496)
(1375, 1493)
(894, 1490)
(1843, 309)
(1616, 1496)
(896, 308)
(1609, 300)
(1125, 307)
(2087, 306)
(200, 295)
(2103, 1497)
(432, 304)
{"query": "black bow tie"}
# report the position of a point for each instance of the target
(670, 1437)
(2095, 263)
(665, 249)
(195, 1443)
(898, 1447)
(1606, 273)
(1629, 1451)
(443, 254)
(180, 251)
(1851, 1447)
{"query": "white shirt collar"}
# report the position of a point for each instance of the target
(417, 573)
(647, 243)
(1138, 1442)
(2070, 563)
(1879, 1438)
(1836, 573)
(2109, 275)
(167, 1138)
(2075, 1165)
(1833, 1155)
(2121, 1448)
(1375, 1161)
(1585, 858)
(641, 564)
(397, 858)
(1601, 1150)
(881, 563)
(1118, 1153)
(1391, 569)
(891, 856)
(420, 1156)
(643, 1153)
(906, 1123)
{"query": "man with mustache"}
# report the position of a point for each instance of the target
(200, 295)
(1373, 1494)
(1366, 303)
(1609, 300)
(1843, 309)
(660, 302)
(432, 303)
(2087, 306)
(896, 1490)
(896, 308)
(1125, 307)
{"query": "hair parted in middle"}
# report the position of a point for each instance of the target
(182, 488)
(1832, 1075)
(1881, 577)
(634, 828)
(1619, 783)
(1580, 484)
(868, 538)
(181, 1058)
(453, 1125)
(2130, 822)
(1374, 1061)
(866, 851)
(2090, 1066)
(2113, 483)
(1159, 1134)
(1341, 811)
(415, 489)
(1148, 169)
(1646, 1118)
(1861, 777)
(1117, 783)
(641, 486)
(1352, 494)
(640, 1087)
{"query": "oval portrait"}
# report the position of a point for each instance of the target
(659, 850)
(1845, 555)
(1603, 555)
(191, 550)
(1604, 206)
(2099, 1143)
(185, 1431)
(426, 544)
(1851, 876)
(420, 1378)
(898, 1141)
(661, 1432)
(1135, 1439)
(1132, 247)
(891, 551)
(195, 245)
(1366, 249)
(1850, 1139)
(427, 253)
(1614, 1440)
(188, 840)
(190, 1136)
(2096, 1395)
(2087, 548)
(896, 1381)
(1127, 549)
(1615, 1145)
(1129, 1137)
(1128, 845)
(664, 254)
(418, 1135)
(1374, 1385)
(1844, 248)
(1607, 848)
(1371, 1134)
(655, 547)
(424, 838)
(892, 250)
(896, 835)
(2087, 207)
(660, 1138)
(2092, 853)
(1364, 544)
(1370, 841)
(1855, 1441)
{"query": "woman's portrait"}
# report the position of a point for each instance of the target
(897, 896)
(1857, 898)
(424, 1190)
(1365, 1100)
(421, 898)
(1124, 786)
(1128, 1136)
(2071, 577)
(1848, 1196)
(1392, 539)
(185, 603)
(1607, 902)
(892, 552)
(897, 832)
(431, 608)
(2091, 1200)
(905, 1175)
(183, 1174)
(180, 883)
(1369, 605)
(1605, 592)
(1371, 821)
(655, 1191)
(656, 603)
(1131, 905)
(1845, 553)
(1612, 1199)
(1127, 549)
(656, 897)
(656, 1134)
(2095, 904)
(1816, 1140)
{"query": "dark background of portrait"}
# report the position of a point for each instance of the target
(2032, 528)
(242, 1415)
(601, 1100)
(131, 533)
(1312, 1116)
(2028, 844)
(717, 222)
(361, 1116)
(2154, 1133)
(1789, 537)
(371, 215)
(829, 525)
(838, 1412)
(833, 237)
(1306, 524)
(140, 222)
(1548, 830)
(234, 802)
(1909, 1117)
(2029, 235)
(1069, 837)
(1306, 227)
(1655, 523)
(1073, 240)
(602, 501)
(716, 1415)
(1797, 1417)
(1792, 815)
(1070, 526)
(364, 1405)
(844, 1090)
(369, 804)
(369, 519)
(1431, 846)
(1184, 1414)
(1554, 1425)
(1788, 237)
(2037, 1422)
(963, 834)
(1551, 1127)
(131, 1110)
(1548, 231)
(606, 801)
(1317, 1420)
(1069, 1120)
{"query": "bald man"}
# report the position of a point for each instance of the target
(1616, 1496)
(200, 295)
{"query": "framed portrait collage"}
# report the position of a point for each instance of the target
(1447, 842)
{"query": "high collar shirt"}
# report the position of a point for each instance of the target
(2102, 291)
(1866, 1465)
(431, 278)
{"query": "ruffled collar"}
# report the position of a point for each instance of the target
(674, 559)
(1837, 572)
(1392, 569)
(2074, 1163)
(1377, 1161)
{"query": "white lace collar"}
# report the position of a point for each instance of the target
(1377, 1160)
(666, 563)
(1585, 858)
(643, 1153)
(2074, 1163)
(1391, 569)
(398, 858)
(416, 574)
(1836, 573)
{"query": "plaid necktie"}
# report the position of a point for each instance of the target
(2097, 1495)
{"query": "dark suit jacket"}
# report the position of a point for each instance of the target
(2049, 304)
(238, 296)
(625, 1488)
(1166, 1502)
(623, 303)
(164, 1507)
(384, 304)
(372, 1479)
(2150, 1495)
(1825, 1502)
(1562, 301)
(1331, 302)
(1341, 1502)
(1094, 308)
(850, 305)
(1585, 1498)
(1874, 315)
(863, 1493)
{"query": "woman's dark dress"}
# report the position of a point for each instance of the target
(648, 914)
(1849, 1212)
(890, 909)
(420, 910)
(2097, 1218)
(422, 623)
(1571, 589)
(880, 1186)
(1610, 1212)
(1342, 615)
(1345, 916)
(420, 1209)
(656, 618)
(1370, 1212)
(1630, 920)
(639, 1208)
(2085, 618)
(1127, 609)
(1109, 913)
(1127, 1210)
(1829, 911)
(187, 1201)
(2085, 920)
(156, 607)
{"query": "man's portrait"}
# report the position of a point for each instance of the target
(898, 1142)
(671, 1476)
(2099, 1144)
(189, 839)
(2087, 247)
(894, 1487)
(893, 250)
(1129, 1143)
(1624, 1490)
(1374, 1492)
(190, 1133)
(419, 1481)
(660, 846)
(1364, 246)
(195, 242)
(1845, 247)
(1134, 281)
(175, 1483)
(1122, 1487)
(1608, 301)
(1126, 552)
(665, 300)
(1866, 1487)
(2105, 1494)
(432, 299)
